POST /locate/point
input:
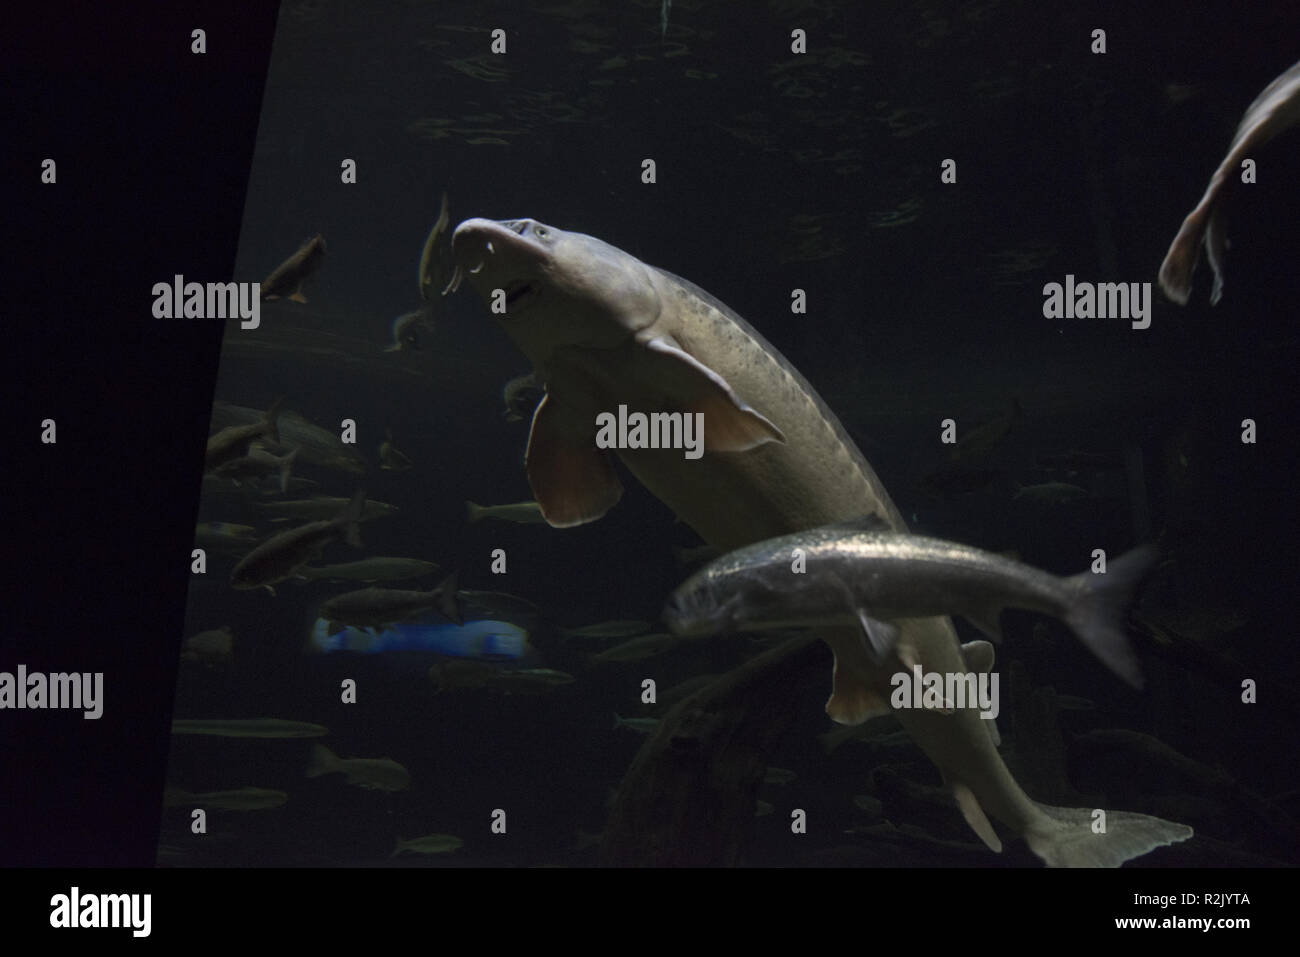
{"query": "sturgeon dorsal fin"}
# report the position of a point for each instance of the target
(730, 424)
(573, 481)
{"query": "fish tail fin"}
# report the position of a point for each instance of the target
(401, 846)
(286, 469)
(351, 518)
(473, 511)
(618, 722)
(1180, 261)
(323, 761)
(297, 296)
(1096, 614)
(448, 606)
(272, 420)
(1084, 837)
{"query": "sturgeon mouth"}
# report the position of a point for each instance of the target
(520, 291)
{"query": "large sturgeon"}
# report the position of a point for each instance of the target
(604, 329)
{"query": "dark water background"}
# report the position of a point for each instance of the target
(774, 172)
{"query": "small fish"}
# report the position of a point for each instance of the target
(248, 728)
(377, 569)
(498, 604)
(377, 774)
(521, 395)
(258, 464)
(1051, 493)
(209, 648)
(405, 330)
(983, 439)
(639, 725)
(429, 844)
(461, 673)
(1075, 460)
(231, 441)
(1275, 109)
(240, 799)
(316, 445)
(778, 776)
(858, 572)
(280, 557)
(639, 649)
(871, 805)
(392, 459)
(372, 607)
(950, 480)
(224, 536)
(685, 689)
(619, 628)
(529, 680)
(521, 513)
(293, 272)
(435, 258)
(321, 507)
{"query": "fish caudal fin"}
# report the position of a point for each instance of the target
(1096, 613)
(351, 518)
(297, 296)
(473, 512)
(1083, 837)
(272, 420)
(286, 469)
(448, 606)
(323, 761)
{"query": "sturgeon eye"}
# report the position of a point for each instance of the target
(541, 232)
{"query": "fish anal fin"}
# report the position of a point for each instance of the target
(730, 424)
(970, 809)
(297, 296)
(572, 480)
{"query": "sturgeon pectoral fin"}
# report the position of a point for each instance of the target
(730, 425)
(853, 700)
(975, 816)
(572, 480)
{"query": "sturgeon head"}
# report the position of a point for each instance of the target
(598, 325)
(558, 288)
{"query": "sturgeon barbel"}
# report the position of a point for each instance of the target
(605, 329)
(872, 577)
